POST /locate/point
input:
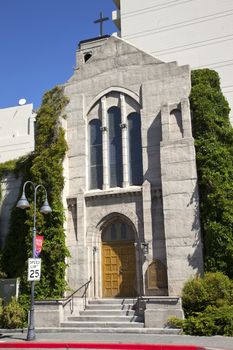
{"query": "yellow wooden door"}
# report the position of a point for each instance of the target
(119, 269)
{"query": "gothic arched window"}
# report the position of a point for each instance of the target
(96, 158)
(135, 149)
(115, 147)
(118, 231)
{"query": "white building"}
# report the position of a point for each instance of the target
(16, 131)
(199, 33)
(16, 140)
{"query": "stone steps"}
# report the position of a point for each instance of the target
(108, 306)
(102, 318)
(106, 314)
(111, 301)
(109, 316)
(101, 324)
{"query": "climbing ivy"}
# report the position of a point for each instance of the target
(11, 166)
(214, 153)
(44, 166)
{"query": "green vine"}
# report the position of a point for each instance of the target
(214, 153)
(11, 166)
(44, 166)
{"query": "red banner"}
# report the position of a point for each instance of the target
(39, 244)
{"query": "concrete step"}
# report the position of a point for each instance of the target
(121, 301)
(106, 330)
(85, 318)
(108, 306)
(78, 324)
(93, 312)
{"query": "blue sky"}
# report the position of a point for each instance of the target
(38, 40)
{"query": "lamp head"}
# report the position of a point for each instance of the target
(23, 202)
(45, 209)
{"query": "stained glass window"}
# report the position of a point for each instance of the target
(96, 158)
(135, 149)
(115, 147)
(118, 231)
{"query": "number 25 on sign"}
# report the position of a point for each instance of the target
(34, 269)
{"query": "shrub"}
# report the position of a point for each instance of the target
(207, 304)
(174, 322)
(212, 321)
(213, 289)
(1, 311)
(25, 302)
(13, 315)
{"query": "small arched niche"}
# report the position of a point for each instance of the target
(156, 278)
(176, 128)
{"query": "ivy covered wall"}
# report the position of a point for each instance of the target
(43, 166)
(213, 135)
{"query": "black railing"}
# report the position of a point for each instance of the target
(140, 304)
(70, 298)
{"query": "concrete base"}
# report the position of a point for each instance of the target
(48, 313)
(159, 309)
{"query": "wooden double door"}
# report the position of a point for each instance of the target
(119, 269)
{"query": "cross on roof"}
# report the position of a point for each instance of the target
(100, 21)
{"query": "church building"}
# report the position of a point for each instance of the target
(130, 173)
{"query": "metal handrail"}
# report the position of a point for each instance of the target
(70, 298)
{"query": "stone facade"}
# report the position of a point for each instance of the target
(162, 211)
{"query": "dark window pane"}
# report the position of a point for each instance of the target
(135, 149)
(123, 231)
(113, 232)
(96, 157)
(118, 231)
(96, 134)
(115, 147)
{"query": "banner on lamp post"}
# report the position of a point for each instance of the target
(39, 244)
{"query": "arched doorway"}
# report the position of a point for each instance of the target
(118, 260)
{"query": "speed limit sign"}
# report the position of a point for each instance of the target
(34, 269)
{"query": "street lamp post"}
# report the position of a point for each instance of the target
(45, 209)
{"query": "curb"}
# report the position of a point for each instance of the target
(78, 330)
(65, 345)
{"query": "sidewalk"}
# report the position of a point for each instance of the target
(67, 340)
